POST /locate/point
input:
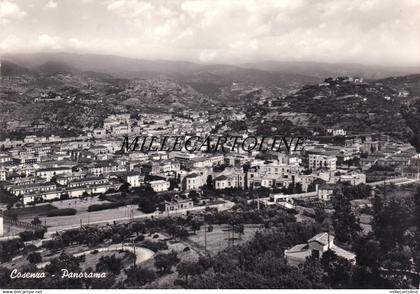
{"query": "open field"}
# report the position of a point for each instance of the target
(80, 204)
(94, 216)
(217, 240)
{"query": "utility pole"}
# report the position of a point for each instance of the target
(328, 237)
(205, 238)
(134, 252)
(258, 202)
(228, 236)
(384, 190)
(233, 234)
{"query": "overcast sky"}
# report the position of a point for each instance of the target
(227, 31)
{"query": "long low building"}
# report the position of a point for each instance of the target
(41, 196)
(49, 173)
(32, 188)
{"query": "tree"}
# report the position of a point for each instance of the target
(188, 268)
(36, 221)
(193, 195)
(110, 264)
(26, 236)
(361, 191)
(209, 182)
(181, 233)
(195, 225)
(124, 188)
(138, 276)
(138, 227)
(313, 184)
(165, 261)
(346, 225)
(314, 272)
(147, 205)
(416, 251)
(39, 234)
(239, 229)
(34, 257)
(368, 252)
(64, 261)
(4, 277)
(338, 269)
(390, 222)
(107, 283)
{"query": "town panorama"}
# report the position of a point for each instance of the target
(240, 168)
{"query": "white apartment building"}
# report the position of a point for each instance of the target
(3, 174)
(229, 181)
(320, 161)
(134, 179)
(194, 181)
(159, 185)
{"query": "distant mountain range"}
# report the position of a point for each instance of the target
(263, 73)
(390, 103)
(321, 70)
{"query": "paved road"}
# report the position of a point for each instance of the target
(59, 228)
(142, 254)
(289, 196)
(52, 229)
(397, 182)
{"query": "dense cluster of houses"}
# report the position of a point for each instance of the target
(39, 168)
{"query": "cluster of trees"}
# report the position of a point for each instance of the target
(346, 224)
(10, 248)
(390, 254)
(165, 261)
(111, 265)
(257, 264)
(32, 235)
(138, 276)
(411, 115)
(178, 227)
(61, 212)
(388, 257)
(104, 206)
(72, 264)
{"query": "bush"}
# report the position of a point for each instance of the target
(39, 234)
(10, 248)
(26, 236)
(61, 212)
(139, 238)
(34, 257)
(155, 246)
(103, 206)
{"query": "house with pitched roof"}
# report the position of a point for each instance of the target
(316, 246)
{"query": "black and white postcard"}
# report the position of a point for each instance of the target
(209, 144)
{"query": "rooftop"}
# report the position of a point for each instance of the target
(322, 238)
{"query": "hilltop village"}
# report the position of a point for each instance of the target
(178, 214)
